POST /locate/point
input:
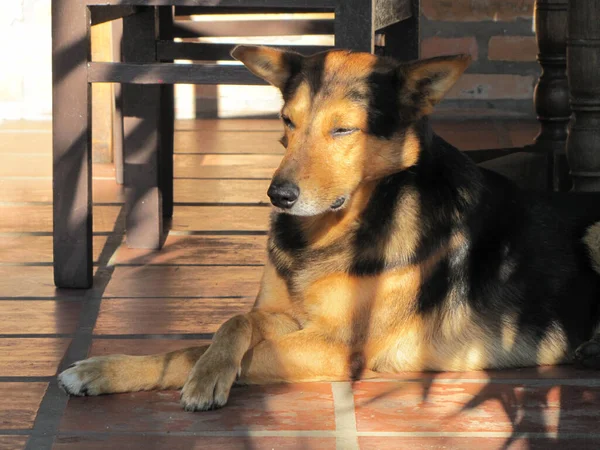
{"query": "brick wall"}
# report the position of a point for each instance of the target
(499, 36)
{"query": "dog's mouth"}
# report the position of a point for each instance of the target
(338, 203)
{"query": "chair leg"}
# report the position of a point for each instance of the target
(166, 132)
(144, 223)
(353, 25)
(583, 143)
(551, 95)
(71, 143)
(141, 110)
(402, 39)
(117, 35)
(167, 120)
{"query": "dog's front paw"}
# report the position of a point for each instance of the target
(87, 377)
(209, 384)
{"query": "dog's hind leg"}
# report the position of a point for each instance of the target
(124, 373)
(303, 356)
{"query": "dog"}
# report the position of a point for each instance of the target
(389, 250)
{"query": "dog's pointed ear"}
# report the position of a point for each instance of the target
(428, 80)
(272, 65)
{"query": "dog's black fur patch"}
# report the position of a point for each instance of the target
(524, 253)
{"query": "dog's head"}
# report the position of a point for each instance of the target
(348, 118)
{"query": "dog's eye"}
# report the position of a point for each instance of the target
(343, 131)
(288, 123)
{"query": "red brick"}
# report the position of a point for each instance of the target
(435, 46)
(463, 443)
(20, 402)
(301, 406)
(147, 316)
(470, 11)
(102, 442)
(475, 407)
(12, 442)
(495, 86)
(39, 317)
(31, 357)
(512, 48)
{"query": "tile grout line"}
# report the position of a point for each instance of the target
(54, 402)
(345, 418)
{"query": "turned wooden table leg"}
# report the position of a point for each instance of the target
(583, 53)
(551, 96)
(167, 120)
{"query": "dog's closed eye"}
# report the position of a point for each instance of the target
(336, 132)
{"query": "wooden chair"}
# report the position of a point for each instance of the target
(147, 75)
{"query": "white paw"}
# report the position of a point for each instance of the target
(83, 378)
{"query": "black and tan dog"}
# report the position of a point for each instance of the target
(389, 250)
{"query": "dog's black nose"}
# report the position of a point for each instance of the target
(283, 195)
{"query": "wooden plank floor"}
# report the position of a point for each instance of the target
(145, 302)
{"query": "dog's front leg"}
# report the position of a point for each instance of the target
(210, 381)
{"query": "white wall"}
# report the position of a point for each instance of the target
(25, 76)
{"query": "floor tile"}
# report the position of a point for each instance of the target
(239, 142)
(225, 166)
(167, 316)
(247, 125)
(20, 164)
(20, 402)
(517, 374)
(205, 250)
(13, 442)
(462, 407)
(251, 408)
(184, 281)
(104, 190)
(190, 190)
(232, 219)
(35, 249)
(38, 317)
(38, 218)
(34, 141)
(31, 357)
(32, 281)
(474, 443)
(192, 443)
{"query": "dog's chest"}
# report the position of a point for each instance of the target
(358, 307)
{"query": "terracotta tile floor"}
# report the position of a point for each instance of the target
(145, 302)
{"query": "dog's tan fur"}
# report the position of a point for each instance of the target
(331, 325)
